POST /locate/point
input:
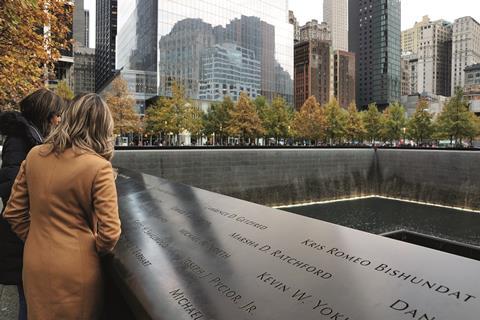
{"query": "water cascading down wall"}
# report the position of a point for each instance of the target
(277, 177)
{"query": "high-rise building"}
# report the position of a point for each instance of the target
(161, 42)
(335, 14)
(312, 60)
(87, 28)
(228, 70)
(434, 58)
(465, 48)
(406, 76)
(411, 37)
(410, 73)
(314, 30)
(79, 23)
(374, 37)
(344, 77)
(105, 33)
(84, 70)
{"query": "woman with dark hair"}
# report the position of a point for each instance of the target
(40, 111)
(64, 206)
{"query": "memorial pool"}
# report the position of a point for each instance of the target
(381, 215)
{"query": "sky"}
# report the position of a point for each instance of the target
(412, 10)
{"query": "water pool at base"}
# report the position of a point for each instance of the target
(379, 215)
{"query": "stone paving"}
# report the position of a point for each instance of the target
(8, 302)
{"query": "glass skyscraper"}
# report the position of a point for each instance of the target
(375, 38)
(212, 48)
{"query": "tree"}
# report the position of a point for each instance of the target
(276, 119)
(244, 120)
(32, 33)
(192, 119)
(122, 105)
(161, 118)
(216, 120)
(261, 105)
(336, 121)
(420, 126)
(64, 91)
(454, 122)
(393, 122)
(371, 119)
(309, 123)
(171, 115)
(473, 130)
(355, 128)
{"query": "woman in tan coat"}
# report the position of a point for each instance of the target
(64, 206)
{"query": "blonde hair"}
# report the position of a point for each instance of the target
(86, 127)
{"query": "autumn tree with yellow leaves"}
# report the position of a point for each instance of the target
(121, 104)
(244, 121)
(32, 34)
(309, 122)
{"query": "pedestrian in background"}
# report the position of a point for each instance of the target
(39, 112)
(64, 206)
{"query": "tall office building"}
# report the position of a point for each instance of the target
(406, 76)
(409, 74)
(79, 23)
(411, 37)
(375, 39)
(87, 28)
(313, 64)
(434, 54)
(312, 60)
(344, 77)
(183, 38)
(335, 14)
(314, 30)
(105, 33)
(465, 49)
(84, 70)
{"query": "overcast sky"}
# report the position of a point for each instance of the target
(412, 10)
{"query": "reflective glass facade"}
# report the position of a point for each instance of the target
(229, 69)
(375, 38)
(212, 48)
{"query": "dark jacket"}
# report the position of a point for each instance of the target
(21, 137)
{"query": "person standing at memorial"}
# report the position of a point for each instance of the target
(39, 112)
(64, 206)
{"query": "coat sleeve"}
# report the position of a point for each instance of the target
(14, 152)
(17, 211)
(106, 209)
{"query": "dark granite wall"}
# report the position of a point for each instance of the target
(270, 177)
(288, 176)
(449, 178)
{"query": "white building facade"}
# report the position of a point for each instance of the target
(435, 58)
(465, 48)
(335, 14)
